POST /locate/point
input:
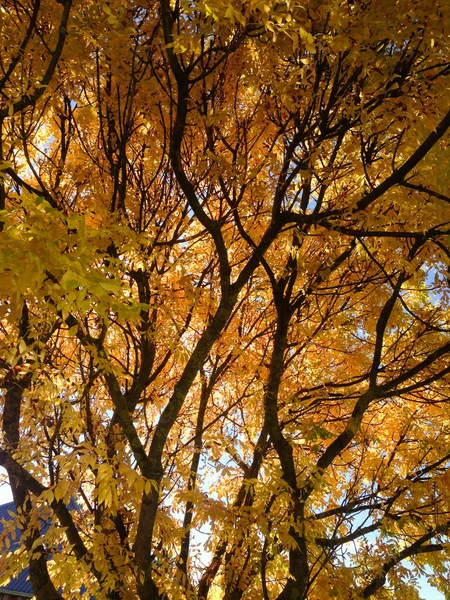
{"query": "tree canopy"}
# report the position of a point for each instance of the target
(224, 297)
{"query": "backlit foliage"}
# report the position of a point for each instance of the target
(224, 297)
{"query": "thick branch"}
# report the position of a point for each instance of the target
(399, 174)
(417, 547)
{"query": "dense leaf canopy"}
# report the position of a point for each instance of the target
(224, 297)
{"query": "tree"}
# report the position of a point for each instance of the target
(224, 277)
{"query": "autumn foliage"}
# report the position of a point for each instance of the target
(224, 297)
